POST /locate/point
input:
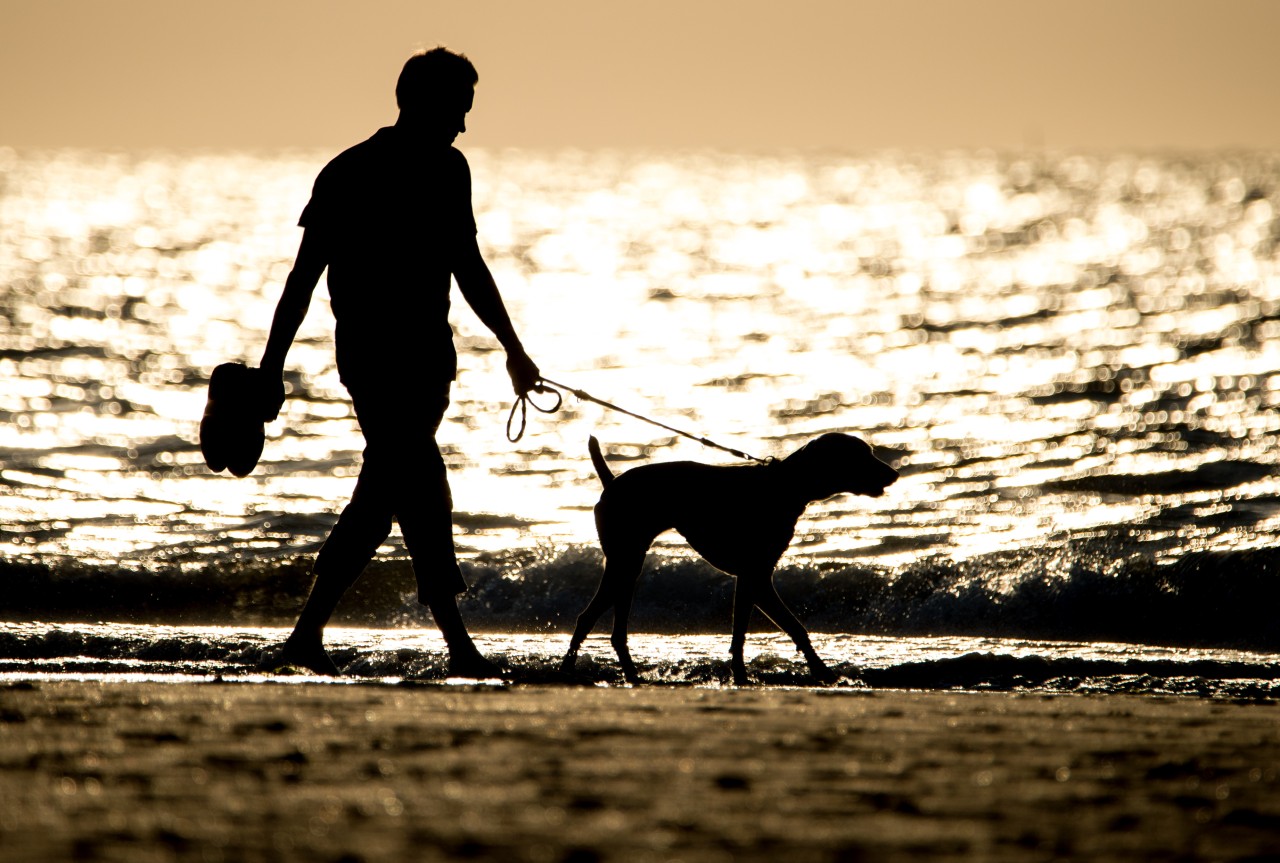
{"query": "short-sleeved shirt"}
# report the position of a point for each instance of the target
(392, 216)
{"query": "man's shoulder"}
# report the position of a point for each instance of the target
(384, 149)
(369, 151)
(454, 165)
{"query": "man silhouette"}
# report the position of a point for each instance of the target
(391, 218)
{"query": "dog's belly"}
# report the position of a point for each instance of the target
(737, 547)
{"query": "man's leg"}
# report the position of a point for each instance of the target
(426, 520)
(363, 525)
(361, 528)
(423, 506)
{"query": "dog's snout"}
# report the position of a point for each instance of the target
(887, 477)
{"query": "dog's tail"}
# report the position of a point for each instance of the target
(597, 459)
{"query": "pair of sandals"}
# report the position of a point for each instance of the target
(242, 400)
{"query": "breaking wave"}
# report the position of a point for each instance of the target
(1085, 590)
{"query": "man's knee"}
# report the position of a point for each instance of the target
(438, 582)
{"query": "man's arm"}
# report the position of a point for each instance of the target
(481, 293)
(290, 312)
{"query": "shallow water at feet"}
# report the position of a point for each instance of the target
(118, 652)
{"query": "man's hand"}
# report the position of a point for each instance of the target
(524, 372)
(270, 393)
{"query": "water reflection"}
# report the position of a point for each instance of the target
(1048, 346)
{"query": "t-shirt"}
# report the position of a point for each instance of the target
(392, 216)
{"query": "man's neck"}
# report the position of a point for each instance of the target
(420, 133)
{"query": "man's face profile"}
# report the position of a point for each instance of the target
(442, 122)
(457, 116)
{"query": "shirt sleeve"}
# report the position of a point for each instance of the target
(330, 195)
(313, 212)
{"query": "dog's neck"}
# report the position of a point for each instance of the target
(799, 484)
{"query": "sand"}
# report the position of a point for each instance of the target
(242, 772)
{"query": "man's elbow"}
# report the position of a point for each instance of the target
(469, 270)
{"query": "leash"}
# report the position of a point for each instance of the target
(548, 385)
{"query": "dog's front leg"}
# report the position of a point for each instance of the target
(744, 593)
(776, 610)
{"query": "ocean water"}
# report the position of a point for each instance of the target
(1071, 359)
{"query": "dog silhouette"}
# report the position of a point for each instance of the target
(740, 518)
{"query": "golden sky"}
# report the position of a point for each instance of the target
(739, 74)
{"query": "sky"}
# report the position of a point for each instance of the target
(843, 75)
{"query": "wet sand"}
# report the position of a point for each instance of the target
(241, 772)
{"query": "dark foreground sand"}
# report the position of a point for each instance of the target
(245, 772)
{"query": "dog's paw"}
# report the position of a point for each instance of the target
(473, 666)
(298, 653)
(825, 676)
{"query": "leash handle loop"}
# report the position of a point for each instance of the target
(522, 405)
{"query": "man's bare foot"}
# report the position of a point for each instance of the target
(306, 653)
(470, 663)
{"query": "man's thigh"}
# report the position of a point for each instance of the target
(400, 420)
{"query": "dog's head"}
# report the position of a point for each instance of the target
(834, 463)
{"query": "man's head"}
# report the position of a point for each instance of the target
(435, 92)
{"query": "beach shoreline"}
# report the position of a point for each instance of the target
(308, 771)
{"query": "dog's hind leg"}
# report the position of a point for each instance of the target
(772, 605)
(600, 603)
(618, 579)
(628, 569)
(744, 594)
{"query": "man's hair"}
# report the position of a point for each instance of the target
(433, 78)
